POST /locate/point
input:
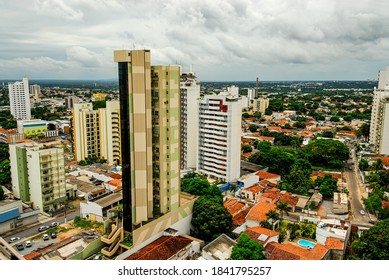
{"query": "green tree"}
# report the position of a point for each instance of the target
(99, 104)
(299, 125)
(201, 187)
(253, 128)
(5, 172)
(210, 219)
(373, 202)
(325, 152)
(298, 180)
(1, 193)
(364, 131)
(264, 146)
(278, 160)
(334, 119)
(363, 164)
(373, 244)
(246, 148)
(247, 249)
(268, 112)
(327, 134)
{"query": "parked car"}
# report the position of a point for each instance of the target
(28, 243)
(20, 246)
(43, 228)
(54, 224)
(45, 236)
(53, 235)
(362, 212)
(13, 239)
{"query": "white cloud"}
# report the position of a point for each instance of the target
(223, 35)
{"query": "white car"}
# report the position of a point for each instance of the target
(13, 239)
(362, 212)
(28, 243)
(45, 236)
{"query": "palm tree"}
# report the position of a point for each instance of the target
(274, 216)
(283, 208)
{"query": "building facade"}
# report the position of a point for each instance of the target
(379, 124)
(86, 132)
(260, 105)
(96, 133)
(38, 175)
(19, 99)
(35, 91)
(150, 129)
(219, 137)
(190, 95)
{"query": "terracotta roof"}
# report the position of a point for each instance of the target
(255, 189)
(321, 174)
(289, 199)
(334, 243)
(266, 138)
(385, 204)
(255, 232)
(115, 182)
(246, 140)
(290, 251)
(385, 161)
(259, 211)
(236, 208)
(267, 175)
(309, 123)
(246, 155)
(229, 203)
(240, 218)
(161, 249)
(114, 175)
(274, 128)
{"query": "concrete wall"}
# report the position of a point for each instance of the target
(92, 248)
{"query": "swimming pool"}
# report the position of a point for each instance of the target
(305, 243)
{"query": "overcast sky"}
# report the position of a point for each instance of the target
(223, 39)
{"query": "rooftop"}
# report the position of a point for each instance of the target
(259, 211)
(220, 248)
(163, 248)
(260, 234)
(291, 251)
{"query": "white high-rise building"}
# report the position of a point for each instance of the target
(219, 137)
(190, 94)
(19, 99)
(379, 124)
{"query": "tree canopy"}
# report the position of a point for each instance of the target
(373, 244)
(210, 219)
(247, 249)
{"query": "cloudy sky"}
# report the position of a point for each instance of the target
(223, 39)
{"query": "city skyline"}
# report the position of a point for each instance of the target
(221, 40)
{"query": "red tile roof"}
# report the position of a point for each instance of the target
(267, 175)
(290, 251)
(229, 203)
(266, 138)
(274, 128)
(290, 199)
(334, 243)
(255, 189)
(385, 161)
(259, 211)
(255, 232)
(240, 218)
(236, 208)
(321, 174)
(385, 204)
(161, 249)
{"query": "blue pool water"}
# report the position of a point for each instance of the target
(306, 243)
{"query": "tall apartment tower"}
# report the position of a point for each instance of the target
(86, 132)
(379, 124)
(96, 133)
(109, 126)
(219, 137)
(190, 95)
(150, 131)
(35, 91)
(38, 175)
(19, 99)
(261, 104)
